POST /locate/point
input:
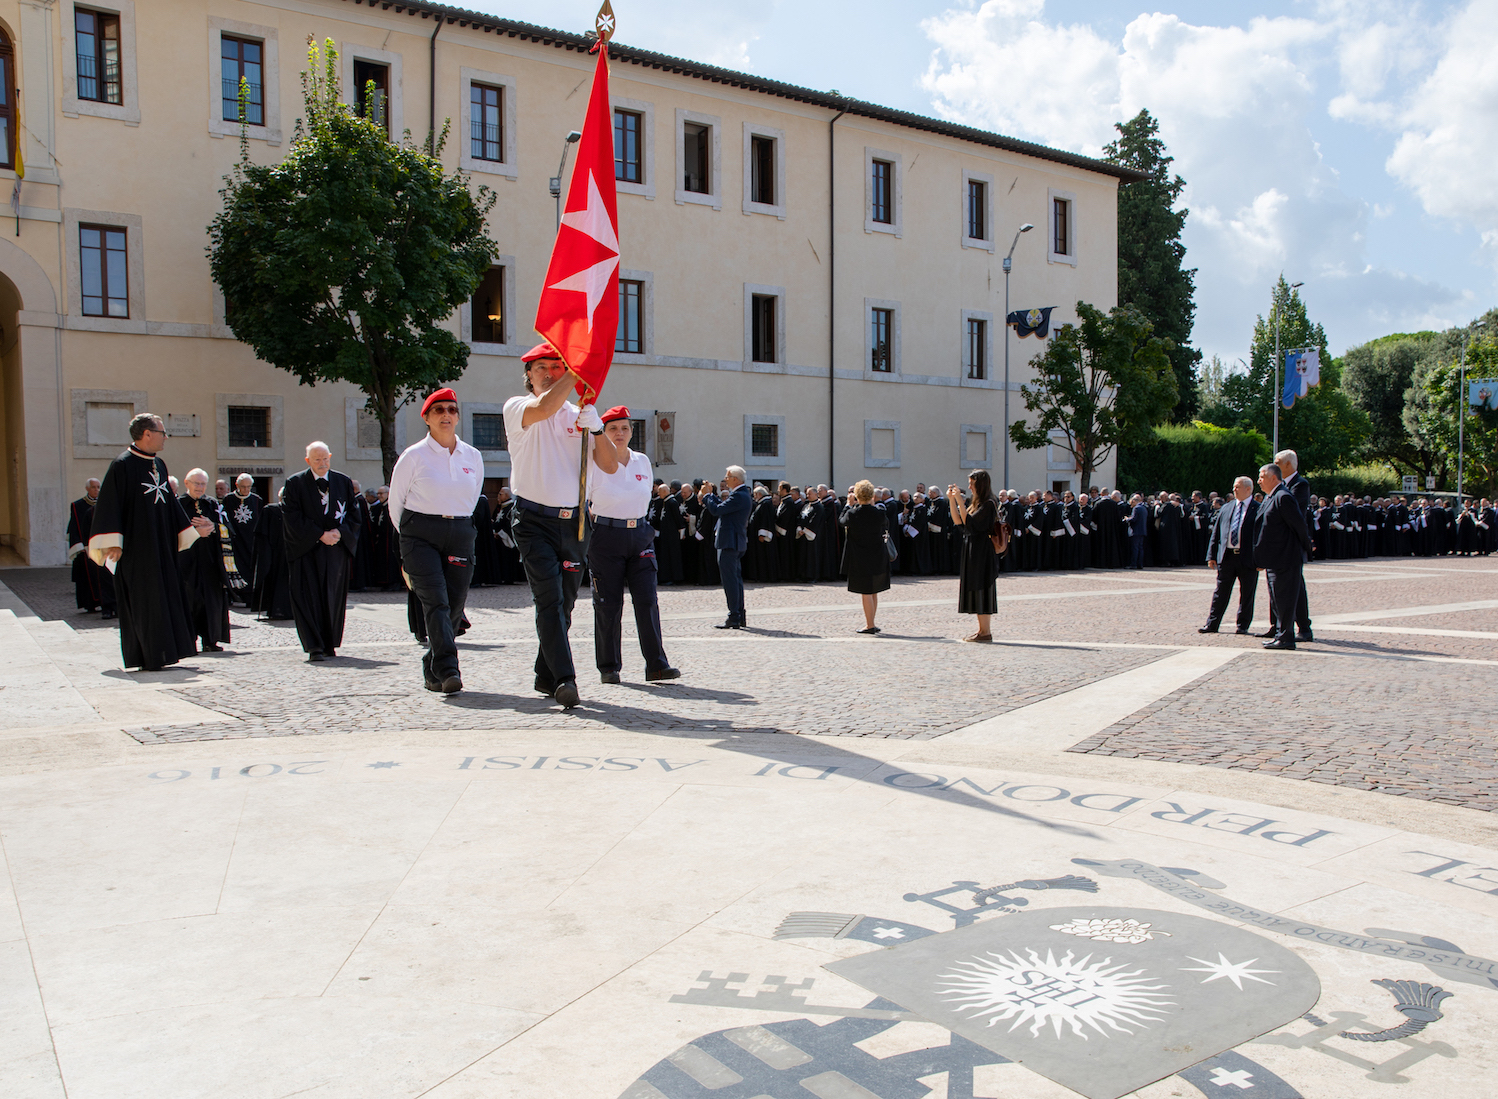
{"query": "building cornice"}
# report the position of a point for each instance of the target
(565, 40)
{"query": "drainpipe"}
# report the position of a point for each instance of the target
(432, 94)
(832, 300)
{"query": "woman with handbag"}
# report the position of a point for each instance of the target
(866, 551)
(977, 588)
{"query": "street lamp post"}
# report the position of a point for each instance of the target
(1461, 421)
(1278, 310)
(556, 181)
(1008, 263)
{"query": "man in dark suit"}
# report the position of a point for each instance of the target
(1281, 542)
(1288, 464)
(1139, 521)
(732, 539)
(322, 528)
(1230, 551)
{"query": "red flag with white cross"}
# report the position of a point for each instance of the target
(579, 307)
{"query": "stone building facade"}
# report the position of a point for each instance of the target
(767, 232)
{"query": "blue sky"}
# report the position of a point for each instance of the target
(1347, 143)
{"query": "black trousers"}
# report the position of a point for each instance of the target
(553, 557)
(1234, 568)
(437, 556)
(319, 596)
(1285, 588)
(1302, 613)
(620, 557)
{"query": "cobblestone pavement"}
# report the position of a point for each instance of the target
(1416, 729)
(1385, 701)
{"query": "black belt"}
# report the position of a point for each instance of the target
(542, 509)
(631, 524)
(426, 515)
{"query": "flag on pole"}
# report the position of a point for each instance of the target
(1302, 370)
(15, 194)
(579, 307)
(1031, 322)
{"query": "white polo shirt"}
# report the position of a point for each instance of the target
(427, 478)
(623, 494)
(544, 457)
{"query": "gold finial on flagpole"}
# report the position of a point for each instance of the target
(604, 23)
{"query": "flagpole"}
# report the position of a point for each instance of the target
(582, 470)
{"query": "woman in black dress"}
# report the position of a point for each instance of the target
(977, 592)
(865, 558)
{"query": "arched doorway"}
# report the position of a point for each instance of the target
(33, 499)
(12, 431)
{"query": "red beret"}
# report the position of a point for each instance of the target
(618, 412)
(542, 350)
(440, 395)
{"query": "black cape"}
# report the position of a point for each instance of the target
(205, 581)
(319, 573)
(92, 585)
(138, 513)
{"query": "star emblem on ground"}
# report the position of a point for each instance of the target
(1237, 972)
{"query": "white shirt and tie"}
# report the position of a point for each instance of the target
(1235, 526)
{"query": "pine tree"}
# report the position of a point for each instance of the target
(1150, 275)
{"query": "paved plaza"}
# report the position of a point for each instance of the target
(1104, 856)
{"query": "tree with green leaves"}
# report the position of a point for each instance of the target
(1324, 428)
(1433, 410)
(341, 262)
(1376, 376)
(1150, 252)
(1102, 383)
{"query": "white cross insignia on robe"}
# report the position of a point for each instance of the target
(341, 512)
(243, 514)
(156, 486)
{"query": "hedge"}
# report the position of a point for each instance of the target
(1183, 459)
(1372, 481)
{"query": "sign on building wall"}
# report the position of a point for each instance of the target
(182, 425)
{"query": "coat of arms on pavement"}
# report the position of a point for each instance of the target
(1100, 999)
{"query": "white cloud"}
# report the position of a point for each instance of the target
(1237, 106)
(1448, 124)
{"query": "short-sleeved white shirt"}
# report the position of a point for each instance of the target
(623, 494)
(545, 457)
(435, 481)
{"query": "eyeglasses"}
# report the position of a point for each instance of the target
(451, 408)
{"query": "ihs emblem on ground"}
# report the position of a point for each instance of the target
(1102, 1000)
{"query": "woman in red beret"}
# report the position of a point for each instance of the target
(622, 552)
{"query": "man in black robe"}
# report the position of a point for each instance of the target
(359, 570)
(205, 580)
(810, 529)
(242, 509)
(322, 535)
(140, 527)
(692, 543)
(1168, 523)
(510, 569)
(272, 579)
(485, 561)
(760, 562)
(787, 518)
(670, 528)
(92, 585)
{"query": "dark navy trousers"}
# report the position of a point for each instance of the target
(437, 558)
(620, 557)
(553, 557)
